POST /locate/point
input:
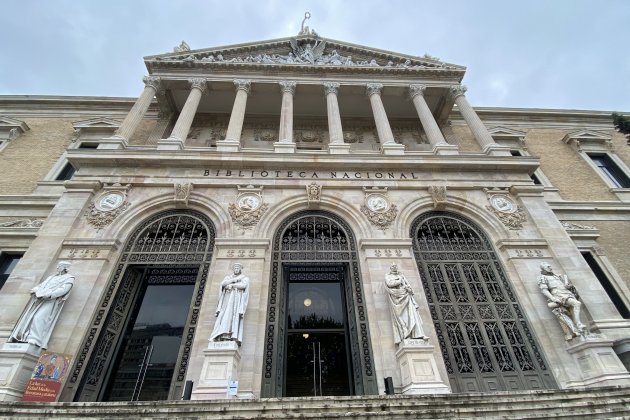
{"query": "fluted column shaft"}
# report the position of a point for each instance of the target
(383, 129)
(470, 116)
(432, 130)
(135, 116)
(235, 127)
(187, 115)
(286, 112)
(335, 130)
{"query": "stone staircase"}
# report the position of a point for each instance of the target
(598, 403)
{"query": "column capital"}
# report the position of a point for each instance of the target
(415, 90)
(331, 87)
(244, 85)
(457, 90)
(373, 89)
(287, 86)
(152, 81)
(199, 83)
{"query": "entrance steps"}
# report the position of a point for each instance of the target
(595, 403)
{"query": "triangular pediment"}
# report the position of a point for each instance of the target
(504, 132)
(96, 123)
(587, 134)
(9, 123)
(304, 51)
(589, 140)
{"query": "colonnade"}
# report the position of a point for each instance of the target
(286, 143)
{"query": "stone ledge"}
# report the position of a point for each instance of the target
(584, 403)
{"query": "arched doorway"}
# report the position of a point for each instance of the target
(317, 338)
(138, 344)
(484, 336)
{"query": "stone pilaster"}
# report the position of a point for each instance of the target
(479, 130)
(385, 135)
(232, 140)
(336, 144)
(135, 116)
(285, 142)
(432, 130)
(186, 116)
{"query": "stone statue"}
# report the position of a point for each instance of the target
(563, 301)
(40, 315)
(403, 306)
(231, 307)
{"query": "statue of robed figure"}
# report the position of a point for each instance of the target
(231, 308)
(38, 320)
(403, 306)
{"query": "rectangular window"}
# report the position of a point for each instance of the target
(7, 264)
(85, 145)
(610, 170)
(606, 284)
(66, 173)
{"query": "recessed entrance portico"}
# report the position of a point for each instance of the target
(317, 337)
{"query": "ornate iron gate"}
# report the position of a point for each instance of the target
(167, 246)
(311, 239)
(485, 339)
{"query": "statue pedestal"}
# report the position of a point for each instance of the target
(220, 366)
(418, 369)
(599, 364)
(445, 149)
(17, 361)
(170, 143)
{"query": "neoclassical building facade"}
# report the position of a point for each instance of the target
(296, 172)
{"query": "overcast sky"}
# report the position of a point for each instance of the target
(531, 53)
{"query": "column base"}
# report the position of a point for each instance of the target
(418, 369)
(598, 363)
(339, 148)
(445, 149)
(17, 361)
(220, 365)
(393, 149)
(115, 142)
(280, 147)
(495, 149)
(228, 146)
(171, 143)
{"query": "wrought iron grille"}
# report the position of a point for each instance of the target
(484, 337)
(322, 238)
(173, 245)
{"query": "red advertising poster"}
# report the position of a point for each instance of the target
(48, 375)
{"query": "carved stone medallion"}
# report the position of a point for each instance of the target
(378, 209)
(505, 208)
(108, 206)
(248, 208)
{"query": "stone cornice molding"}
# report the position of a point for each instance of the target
(152, 81)
(287, 86)
(13, 124)
(458, 90)
(415, 90)
(331, 87)
(373, 89)
(199, 83)
(244, 85)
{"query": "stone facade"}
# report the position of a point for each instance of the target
(272, 133)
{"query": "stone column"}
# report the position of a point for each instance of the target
(232, 140)
(432, 130)
(134, 117)
(178, 136)
(479, 130)
(385, 136)
(336, 144)
(285, 142)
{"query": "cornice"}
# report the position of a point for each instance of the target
(357, 161)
